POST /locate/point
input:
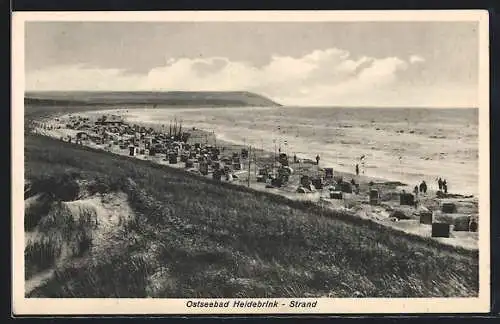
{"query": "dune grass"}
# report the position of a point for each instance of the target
(58, 234)
(192, 237)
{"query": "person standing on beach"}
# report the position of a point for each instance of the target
(357, 169)
(415, 190)
(440, 184)
(445, 186)
(317, 159)
(294, 158)
(423, 187)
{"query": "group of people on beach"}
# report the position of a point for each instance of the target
(422, 188)
(443, 185)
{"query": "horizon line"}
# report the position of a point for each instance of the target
(26, 92)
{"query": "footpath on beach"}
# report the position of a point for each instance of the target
(449, 219)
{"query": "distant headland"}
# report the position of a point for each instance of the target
(168, 98)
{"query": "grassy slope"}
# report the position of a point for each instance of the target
(196, 238)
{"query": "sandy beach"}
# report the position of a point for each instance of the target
(356, 204)
(407, 145)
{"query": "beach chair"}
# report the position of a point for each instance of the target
(338, 179)
(204, 168)
(215, 165)
(305, 181)
(277, 182)
(317, 183)
(425, 217)
(217, 175)
(172, 158)
(461, 223)
(374, 197)
(440, 230)
(226, 169)
(473, 224)
(448, 208)
(189, 163)
(283, 159)
(336, 195)
(328, 173)
(346, 187)
(407, 199)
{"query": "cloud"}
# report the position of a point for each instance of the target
(321, 77)
(416, 59)
(79, 77)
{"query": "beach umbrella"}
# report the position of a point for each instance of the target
(362, 159)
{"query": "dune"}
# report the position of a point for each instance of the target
(190, 236)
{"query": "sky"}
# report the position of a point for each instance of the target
(410, 64)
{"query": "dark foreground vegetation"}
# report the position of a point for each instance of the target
(191, 237)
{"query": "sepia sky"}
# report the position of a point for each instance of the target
(433, 64)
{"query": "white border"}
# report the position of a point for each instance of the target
(26, 306)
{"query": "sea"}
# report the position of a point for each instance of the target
(398, 144)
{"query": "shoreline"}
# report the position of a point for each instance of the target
(467, 240)
(265, 156)
(238, 145)
(380, 163)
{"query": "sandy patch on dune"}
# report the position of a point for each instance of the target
(108, 214)
(110, 208)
